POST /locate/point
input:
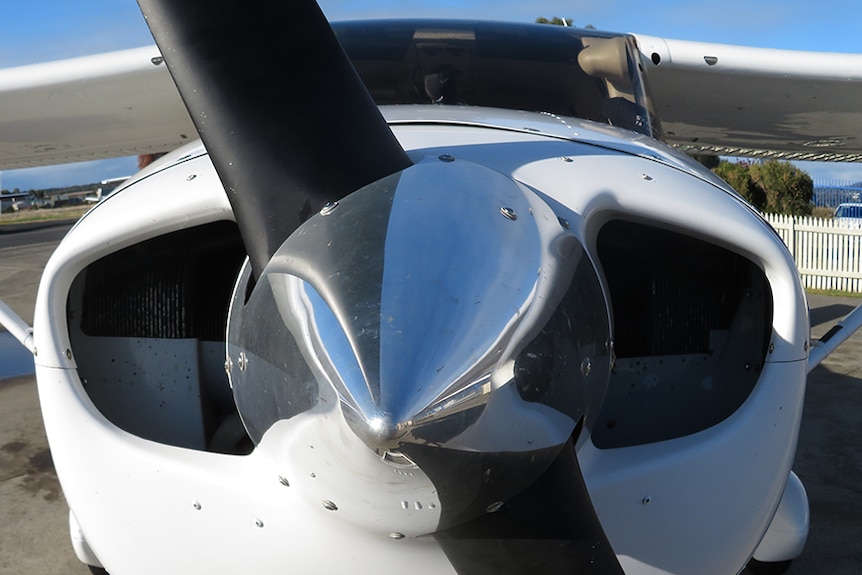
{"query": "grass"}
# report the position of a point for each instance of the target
(832, 293)
(43, 215)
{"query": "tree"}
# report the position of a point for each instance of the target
(737, 175)
(789, 190)
(770, 186)
(556, 21)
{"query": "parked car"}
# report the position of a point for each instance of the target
(849, 214)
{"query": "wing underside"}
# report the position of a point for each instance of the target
(109, 105)
(758, 102)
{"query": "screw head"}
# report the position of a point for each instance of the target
(508, 213)
(328, 208)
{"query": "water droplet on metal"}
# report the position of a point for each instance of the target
(509, 213)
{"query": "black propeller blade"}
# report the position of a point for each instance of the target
(549, 528)
(286, 119)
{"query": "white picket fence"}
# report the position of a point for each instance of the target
(828, 255)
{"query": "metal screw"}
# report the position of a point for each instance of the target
(508, 213)
(196, 505)
(258, 522)
(446, 158)
(228, 365)
(396, 535)
(329, 505)
(494, 507)
(564, 222)
(191, 177)
(567, 159)
(646, 177)
(646, 500)
(68, 354)
(283, 480)
(243, 361)
(328, 208)
(771, 347)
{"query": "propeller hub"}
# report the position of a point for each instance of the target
(441, 310)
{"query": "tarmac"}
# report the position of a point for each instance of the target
(34, 535)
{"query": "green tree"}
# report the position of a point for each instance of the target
(737, 174)
(556, 21)
(770, 186)
(789, 190)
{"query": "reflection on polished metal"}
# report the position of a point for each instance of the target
(414, 327)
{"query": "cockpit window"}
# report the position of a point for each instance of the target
(564, 71)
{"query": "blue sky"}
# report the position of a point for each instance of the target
(42, 30)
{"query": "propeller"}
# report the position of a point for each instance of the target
(360, 328)
(283, 114)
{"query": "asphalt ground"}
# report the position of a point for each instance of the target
(34, 534)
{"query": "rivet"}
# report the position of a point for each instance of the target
(329, 505)
(494, 507)
(191, 177)
(196, 505)
(805, 345)
(328, 208)
(446, 158)
(564, 222)
(646, 500)
(508, 213)
(567, 159)
(283, 480)
(68, 354)
(312, 474)
(396, 535)
(228, 365)
(258, 522)
(771, 347)
(646, 177)
(243, 361)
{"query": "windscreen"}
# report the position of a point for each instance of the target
(537, 68)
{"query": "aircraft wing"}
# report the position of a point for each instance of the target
(109, 105)
(712, 98)
(740, 101)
